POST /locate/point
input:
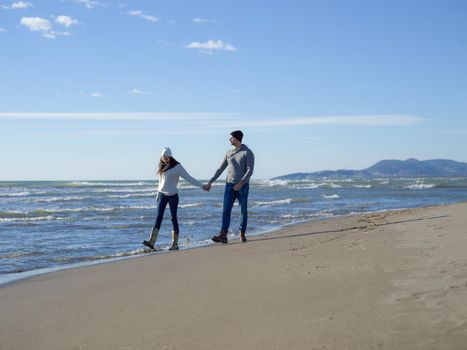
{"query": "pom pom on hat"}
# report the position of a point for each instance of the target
(166, 152)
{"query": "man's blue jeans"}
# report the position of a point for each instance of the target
(162, 200)
(230, 195)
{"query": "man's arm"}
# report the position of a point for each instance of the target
(219, 171)
(250, 165)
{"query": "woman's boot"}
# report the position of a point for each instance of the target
(174, 241)
(152, 240)
(243, 237)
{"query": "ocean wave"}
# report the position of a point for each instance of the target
(77, 259)
(17, 255)
(27, 214)
(12, 214)
(187, 186)
(362, 186)
(420, 186)
(308, 187)
(333, 185)
(36, 218)
(16, 194)
(191, 205)
(60, 199)
(282, 201)
(338, 180)
(133, 195)
(332, 196)
(105, 184)
(272, 183)
(125, 190)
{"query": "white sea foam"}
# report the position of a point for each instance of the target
(420, 186)
(308, 186)
(333, 185)
(125, 190)
(187, 186)
(16, 194)
(332, 196)
(272, 183)
(60, 199)
(87, 209)
(191, 205)
(131, 195)
(107, 184)
(37, 218)
(282, 201)
(362, 186)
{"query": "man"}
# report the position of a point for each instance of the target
(239, 162)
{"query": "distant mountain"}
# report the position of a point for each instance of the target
(387, 168)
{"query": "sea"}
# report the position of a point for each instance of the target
(53, 225)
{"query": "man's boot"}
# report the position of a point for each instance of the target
(243, 237)
(174, 241)
(221, 238)
(153, 238)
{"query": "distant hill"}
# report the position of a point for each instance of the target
(388, 168)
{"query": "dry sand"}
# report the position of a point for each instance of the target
(378, 281)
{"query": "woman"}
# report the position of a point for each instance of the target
(169, 172)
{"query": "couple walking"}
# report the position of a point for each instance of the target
(239, 162)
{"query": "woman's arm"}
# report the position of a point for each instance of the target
(183, 173)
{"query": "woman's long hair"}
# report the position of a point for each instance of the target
(162, 166)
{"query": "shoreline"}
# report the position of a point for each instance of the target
(389, 280)
(10, 278)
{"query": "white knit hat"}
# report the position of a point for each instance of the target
(166, 152)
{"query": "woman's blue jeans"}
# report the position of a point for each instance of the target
(230, 195)
(162, 200)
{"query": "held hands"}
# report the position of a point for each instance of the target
(237, 186)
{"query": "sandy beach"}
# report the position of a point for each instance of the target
(393, 280)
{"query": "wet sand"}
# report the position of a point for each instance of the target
(393, 280)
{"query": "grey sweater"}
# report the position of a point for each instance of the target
(239, 162)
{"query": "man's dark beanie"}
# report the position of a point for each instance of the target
(237, 134)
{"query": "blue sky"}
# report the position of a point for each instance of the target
(95, 89)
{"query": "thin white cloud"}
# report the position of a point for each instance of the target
(49, 35)
(66, 21)
(89, 4)
(36, 24)
(141, 92)
(122, 116)
(19, 5)
(229, 120)
(134, 132)
(97, 95)
(203, 20)
(363, 120)
(139, 13)
(212, 45)
(2, 30)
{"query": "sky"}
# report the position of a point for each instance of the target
(94, 89)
